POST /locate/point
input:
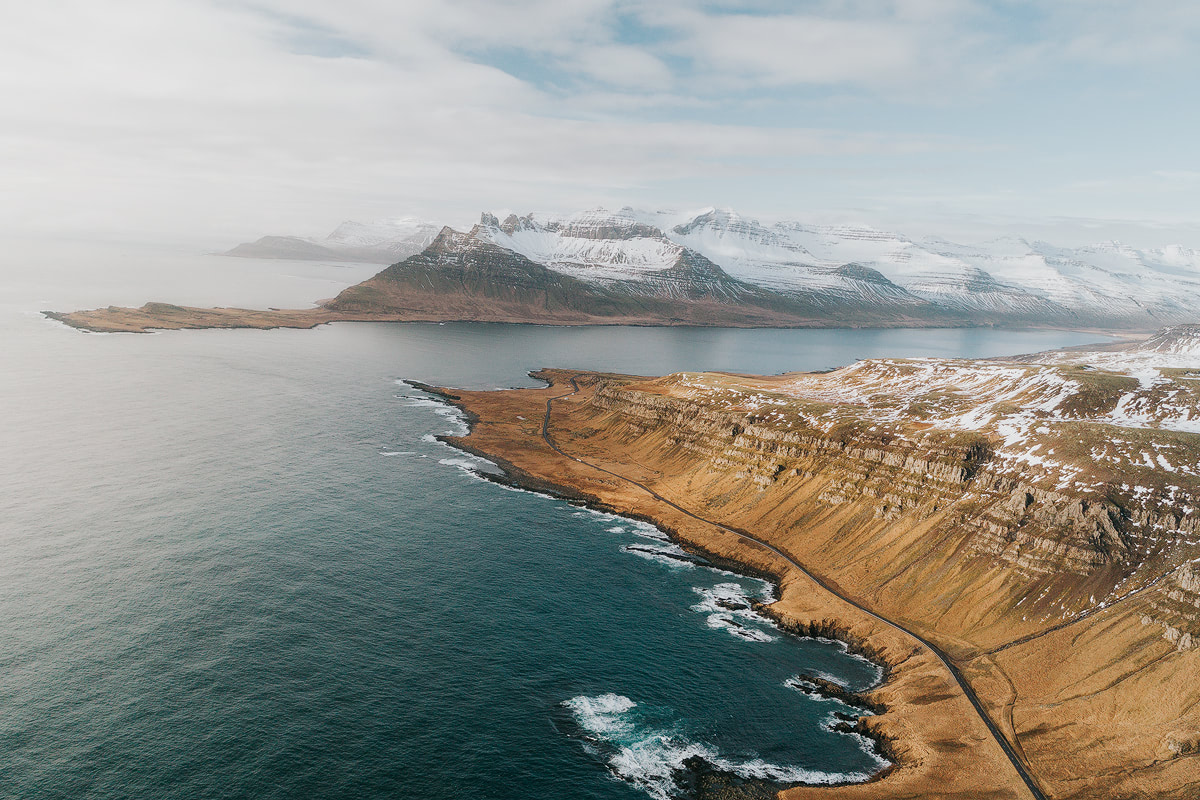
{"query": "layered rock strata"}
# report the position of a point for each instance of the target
(1009, 513)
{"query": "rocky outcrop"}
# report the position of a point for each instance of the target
(1176, 607)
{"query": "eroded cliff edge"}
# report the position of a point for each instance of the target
(1034, 519)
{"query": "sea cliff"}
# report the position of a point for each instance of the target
(1018, 533)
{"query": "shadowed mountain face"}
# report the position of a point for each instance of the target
(612, 272)
(787, 273)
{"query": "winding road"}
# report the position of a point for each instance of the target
(1000, 738)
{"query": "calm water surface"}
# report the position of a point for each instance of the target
(235, 564)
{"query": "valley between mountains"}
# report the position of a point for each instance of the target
(708, 268)
(1028, 523)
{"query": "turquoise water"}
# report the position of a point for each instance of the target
(235, 564)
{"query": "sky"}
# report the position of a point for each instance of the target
(217, 121)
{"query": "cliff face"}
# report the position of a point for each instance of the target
(1036, 520)
(996, 511)
(1035, 530)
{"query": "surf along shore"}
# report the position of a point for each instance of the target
(940, 742)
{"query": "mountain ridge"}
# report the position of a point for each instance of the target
(712, 268)
(618, 270)
(876, 276)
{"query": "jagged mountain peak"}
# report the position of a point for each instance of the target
(719, 219)
(596, 223)
(452, 242)
(511, 224)
(694, 266)
(726, 236)
(447, 236)
(600, 223)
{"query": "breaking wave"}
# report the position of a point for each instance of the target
(726, 604)
(640, 750)
(442, 409)
(670, 554)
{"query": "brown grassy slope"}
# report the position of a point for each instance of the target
(164, 316)
(941, 747)
(961, 546)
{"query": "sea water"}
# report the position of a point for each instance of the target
(239, 564)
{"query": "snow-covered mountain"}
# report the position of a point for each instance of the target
(627, 249)
(383, 242)
(820, 271)
(592, 245)
(1005, 279)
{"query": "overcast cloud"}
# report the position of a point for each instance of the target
(219, 120)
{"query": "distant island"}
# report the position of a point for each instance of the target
(714, 268)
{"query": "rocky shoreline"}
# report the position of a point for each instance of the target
(703, 780)
(920, 706)
(706, 781)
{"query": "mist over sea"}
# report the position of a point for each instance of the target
(236, 564)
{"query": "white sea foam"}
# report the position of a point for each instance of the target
(727, 623)
(440, 408)
(835, 723)
(615, 529)
(767, 593)
(845, 648)
(396, 453)
(415, 401)
(463, 463)
(651, 758)
(670, 554)
(831, 721)
(648, 530)
(429, 437)
(763, 770)
(725, 604)
(602, 516)
(508, 487)
(652, 762)
(602, 714)
(828, 676)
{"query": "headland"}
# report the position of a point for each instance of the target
(1015, 539)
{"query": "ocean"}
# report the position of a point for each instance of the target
(238, 564)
